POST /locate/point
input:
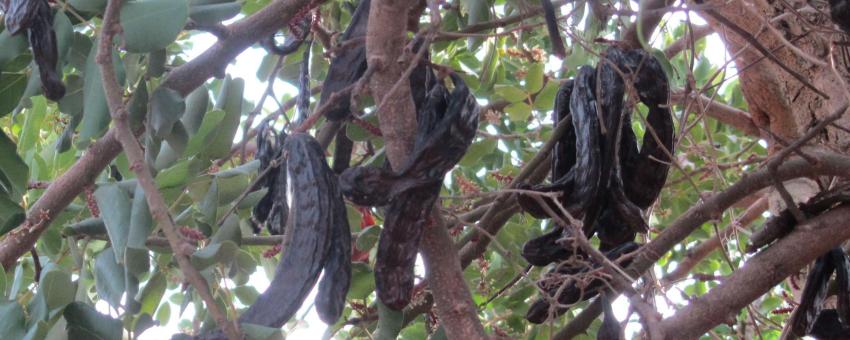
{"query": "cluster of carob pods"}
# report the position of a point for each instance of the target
(601, 178)
(304, 198)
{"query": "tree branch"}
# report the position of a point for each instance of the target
(827, 164)
(765, 270)
(725, 114)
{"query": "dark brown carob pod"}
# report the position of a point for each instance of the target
(269, 145)
(546, 249)
(584, 200)
(298, 33)
(330, 301)
(349, 62)
(36, 18)
(814, 294)
(317, 220)
(447, 123)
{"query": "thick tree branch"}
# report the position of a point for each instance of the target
(184, 79)
(762, 272)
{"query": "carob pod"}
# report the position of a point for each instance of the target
(842, 283)
(36, 18)
(539, 311)
(646, 174)
(294, 40)
(552, 28)
(610, 328)
(269, 145)
(304, 85)
(349, 64)
(839, 12)
(330, 301)
(343, 146)
(316, 223)
(827, 325)
(814, 294)
(546, 249)
(584, 200)
(563, 159)
(447, 124)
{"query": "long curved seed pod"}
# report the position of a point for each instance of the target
(842, 281)
(36, 18)
(584, 200)
(828, 326)
(349, 64)
(539, 311)
(342, 151)
(814, 294)
(330, 301)
(552, 27)
(648, 174)
(610, 328)
(269, 145)
(564, 151)
(315, 206)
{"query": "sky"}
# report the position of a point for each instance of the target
(245, 67)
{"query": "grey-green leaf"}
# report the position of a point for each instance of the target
(84, 322)
(152, 25)
(115, 209)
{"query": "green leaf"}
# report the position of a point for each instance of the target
(32, 124)
(534, 78)
(115, 209)
(210, 14)
(510, 93)
(12, 86)
(13, 46)
(257, 332)
(151, 25)
(167, 108)
(11, 214)
(362, 281)
(367, 238)
(138, 107)
(218, 142)
(13, 324)
(141, 220)
(109, 277)
(246, 294)
(14, 173)
(198, 141)
(196, 109)
(174, 176)
(88, 5)
(390, 323)
(152, 294)
(476, 151)
(84, 322)
(545, 99)
(56, 287)
(518, 112)
(214, 253)
(229, 231)
(96, 116)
